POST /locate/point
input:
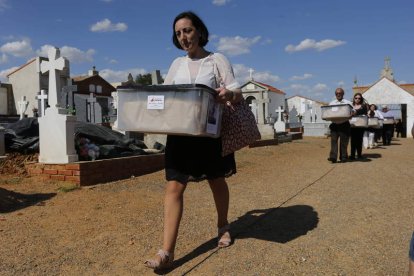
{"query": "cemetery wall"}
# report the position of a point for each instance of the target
(25, 82)
(86, 173)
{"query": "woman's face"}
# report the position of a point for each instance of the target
(372, 107)
(187, 35)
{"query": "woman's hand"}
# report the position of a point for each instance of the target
(224, 95)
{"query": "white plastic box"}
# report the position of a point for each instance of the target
(332, 112)
(388, 120)
(373, 122)
(381, 123)
(359, 121)
(169, 109)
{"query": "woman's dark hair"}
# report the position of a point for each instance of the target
(370, 112)
(362, 101)
(198, 24)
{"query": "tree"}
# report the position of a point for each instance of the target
(145, 79)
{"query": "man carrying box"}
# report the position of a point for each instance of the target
(340, 129)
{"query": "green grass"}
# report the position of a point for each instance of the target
(68, 188)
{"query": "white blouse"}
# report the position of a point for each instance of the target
(213, 71)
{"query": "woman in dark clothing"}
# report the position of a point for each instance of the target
(357, 134)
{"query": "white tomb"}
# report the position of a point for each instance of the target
(56, 127)
(280, 125)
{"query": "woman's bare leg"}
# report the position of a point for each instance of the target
(221, 199)
(173, 210)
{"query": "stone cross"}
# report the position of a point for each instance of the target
(253, 107)
(56, 63)
(42, 98)
(279, 125)
(22, 106)
(251, 73)
(91, 110)
(279, 112)
(68, 94)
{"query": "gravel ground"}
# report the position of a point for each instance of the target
(292, 213)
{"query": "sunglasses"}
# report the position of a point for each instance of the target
(357, 98)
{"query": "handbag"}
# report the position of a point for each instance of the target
(238, 125)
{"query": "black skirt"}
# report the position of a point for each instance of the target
(193, 159)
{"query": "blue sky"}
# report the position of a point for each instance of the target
(303, 47)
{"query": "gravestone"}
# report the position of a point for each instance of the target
(313, 125)
(42, 97)
(93, 110)
(56, 127)
(67, 94)
(22, 104)
(280, 125)
(2, 145)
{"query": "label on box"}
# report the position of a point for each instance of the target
(212, 117)
(155, 102)
(334, 108)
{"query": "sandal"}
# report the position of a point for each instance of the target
(165, 261)
(224, 238)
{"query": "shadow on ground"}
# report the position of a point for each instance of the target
(280, 224)
(373, 155)
(11, 201)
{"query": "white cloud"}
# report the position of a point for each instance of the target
(243, 75)
(304, 77)
(72, 54)
(107, 26)
(21, 48)
(319, 88)
(340, 83)
(113, 61)
(237, 45)
(220, 2)
(313, 92)
(4, 5)
(3, 58)
(315, 45)
(120, 76)
(4, 73)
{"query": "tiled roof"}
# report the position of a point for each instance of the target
(271, 88)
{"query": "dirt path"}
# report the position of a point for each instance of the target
(292, 212)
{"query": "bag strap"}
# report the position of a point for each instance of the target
(216, 72)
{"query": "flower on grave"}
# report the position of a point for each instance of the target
(87, 149)
(300, 116)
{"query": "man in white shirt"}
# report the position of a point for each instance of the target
(340, 129)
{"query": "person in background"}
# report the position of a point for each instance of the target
(340, 130)
(398, 128)
(370, 132)
(387, 129)
(189, 158)
(359, 108)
